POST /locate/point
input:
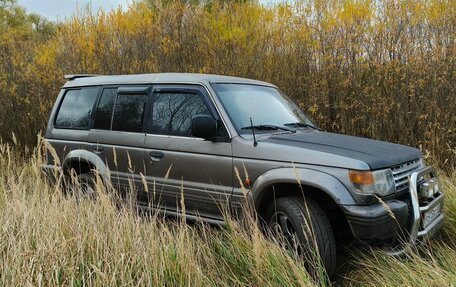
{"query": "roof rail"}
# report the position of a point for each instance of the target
(77, 76)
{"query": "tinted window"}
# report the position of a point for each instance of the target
(103, 115)
(76, 108)
(172, 113)
(129, 113)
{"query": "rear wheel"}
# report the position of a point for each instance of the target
(81, 186)
(87, 182)
(302, 227)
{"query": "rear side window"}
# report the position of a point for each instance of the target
(129, 113)
(76, 108)
(172, 113)
(103, 115)
(119, 112)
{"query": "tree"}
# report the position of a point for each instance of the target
(158, 4)
(13, 16)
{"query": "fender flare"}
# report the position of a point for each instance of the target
(81, 155)
(325, 182)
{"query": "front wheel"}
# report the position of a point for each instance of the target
(302, 227)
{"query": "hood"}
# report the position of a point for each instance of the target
(377, 154)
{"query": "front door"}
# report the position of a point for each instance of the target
(185, 172)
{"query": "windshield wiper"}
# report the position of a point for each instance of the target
(267, 127)
(301, 125)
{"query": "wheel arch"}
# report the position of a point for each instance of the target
(324, 188)
(83, 161)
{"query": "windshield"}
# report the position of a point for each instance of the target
(268, 108)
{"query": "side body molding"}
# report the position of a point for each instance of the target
(90, 158)
(309, 177)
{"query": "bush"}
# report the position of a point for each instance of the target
(380, 69)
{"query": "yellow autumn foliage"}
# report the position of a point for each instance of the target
(383, 69)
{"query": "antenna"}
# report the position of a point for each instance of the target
(255, 143)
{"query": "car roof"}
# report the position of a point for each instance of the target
(178, 78)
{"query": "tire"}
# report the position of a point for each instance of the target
(86, 186)
(290, 213)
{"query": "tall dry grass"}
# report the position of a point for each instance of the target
(47, 239)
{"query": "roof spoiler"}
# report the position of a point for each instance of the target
(78, 76)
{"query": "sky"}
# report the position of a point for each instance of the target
(58, 10)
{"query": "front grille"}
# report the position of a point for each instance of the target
(401, 173)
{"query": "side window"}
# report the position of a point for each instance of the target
(103, 115)
(120, 112)
(76, 108)
(172, 113)
(129, 113)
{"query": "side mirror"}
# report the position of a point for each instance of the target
(204, 126)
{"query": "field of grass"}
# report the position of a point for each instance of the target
(47, 239)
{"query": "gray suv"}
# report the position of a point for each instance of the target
(219, 141)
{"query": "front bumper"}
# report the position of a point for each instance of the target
(377, 222)
(417, 231)
(392, 219)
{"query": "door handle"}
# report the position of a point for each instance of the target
(98, 148)
(156, 155)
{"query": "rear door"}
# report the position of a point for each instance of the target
(118, 133)
(181, 166)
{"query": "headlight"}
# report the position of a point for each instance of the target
(380, 182)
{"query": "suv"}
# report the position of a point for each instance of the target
(190, 135)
